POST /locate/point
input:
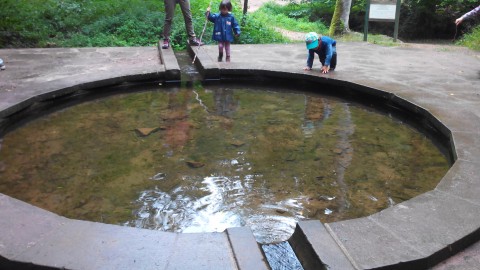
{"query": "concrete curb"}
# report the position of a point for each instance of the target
(167, 58)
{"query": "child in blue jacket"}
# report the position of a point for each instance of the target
(225, 25)
(325, 47)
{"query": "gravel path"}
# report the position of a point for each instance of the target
(256, 4)
(253, 5)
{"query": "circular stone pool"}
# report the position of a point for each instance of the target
(206, 158)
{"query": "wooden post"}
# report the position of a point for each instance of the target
(397, 20)
(365, 26)
(245, 6)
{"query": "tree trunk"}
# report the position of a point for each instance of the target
(341, 15)
(347, 4)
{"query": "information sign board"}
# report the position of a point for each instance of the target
(382, 12)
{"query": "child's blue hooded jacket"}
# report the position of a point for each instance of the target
(327, 49)
(224, 26)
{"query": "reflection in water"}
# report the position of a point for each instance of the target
(216, 158)
(344, 152)
(227, 203)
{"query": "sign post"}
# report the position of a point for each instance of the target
(382, 11)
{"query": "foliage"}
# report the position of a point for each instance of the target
(255, 31)
(67, 23)
(472, 40)
(80, 23)
(253, 27)
(292, 17)
(84, 23)
(428, 19)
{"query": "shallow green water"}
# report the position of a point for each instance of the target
(217, 158)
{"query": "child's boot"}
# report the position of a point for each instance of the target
(220, 56)
(227, 58)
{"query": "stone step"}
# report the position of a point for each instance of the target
(316, 249)
(246, 250)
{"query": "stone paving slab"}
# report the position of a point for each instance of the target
(372, 246)
(463, 181)
(324, 247)
(36, 74)
(89, 245)
(23, 225)
(434, 224)
(246, 248)
(467, 145)
(167, 57)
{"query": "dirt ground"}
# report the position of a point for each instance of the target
(253, 5)
(256, 4)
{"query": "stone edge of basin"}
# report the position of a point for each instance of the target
(168, 59)
(12, 102)
(50, 241)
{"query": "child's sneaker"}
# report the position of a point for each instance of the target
(196, 42)
(166, 44)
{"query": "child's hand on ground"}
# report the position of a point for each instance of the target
(325, 69)
(307, 68)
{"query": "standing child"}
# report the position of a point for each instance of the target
(225, 25)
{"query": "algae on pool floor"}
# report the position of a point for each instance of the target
(219, 157)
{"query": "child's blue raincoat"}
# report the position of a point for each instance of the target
(224, 26)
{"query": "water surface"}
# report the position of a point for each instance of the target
(217, 157)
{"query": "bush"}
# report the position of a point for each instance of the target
(99, 23)
(293, 17)
(432, 19)
(74, 23)
(71, 23)
(472, 40)
(255, 32)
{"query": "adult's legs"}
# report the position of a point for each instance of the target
(187, 16)
(169, 12)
